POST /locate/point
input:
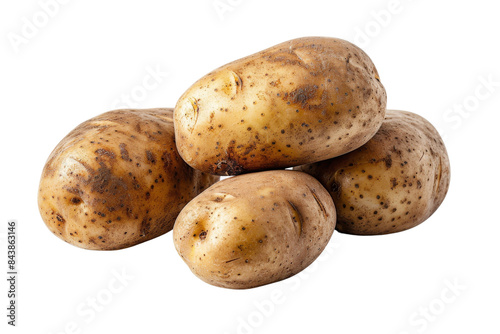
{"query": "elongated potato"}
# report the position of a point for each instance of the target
(117, 180)
(255, 229)
(392, 183)
(301, 101)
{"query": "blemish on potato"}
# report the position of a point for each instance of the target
(151, 157)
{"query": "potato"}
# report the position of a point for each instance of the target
(299, 102)
(117, 180)
(392, 183)
(255, 229)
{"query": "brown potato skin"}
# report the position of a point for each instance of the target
(392, 183)
(117, 180)
(255, 229)
(302, 101)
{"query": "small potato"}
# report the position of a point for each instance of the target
(392, 183)
(117, 180)
(255, 229)
(302, 101)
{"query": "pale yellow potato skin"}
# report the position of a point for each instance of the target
(392, 183)
(302, 101)
(117, 180)
(255, 229)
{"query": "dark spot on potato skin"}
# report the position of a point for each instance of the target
(145, 226)
(285, 58)
(76, 200)
(138, 127)
(167, 161)
(124, 152)
(301, 95)
(250, 147)
(151, 157)
(229, 164)
(367, 93)
(73, 190)
(105, 152)
(102, 180)
(394, 182)
(388, 161)
(227, 167)
(335, 187)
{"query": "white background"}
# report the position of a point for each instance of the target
(433, 57)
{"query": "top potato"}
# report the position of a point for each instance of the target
(299, 102)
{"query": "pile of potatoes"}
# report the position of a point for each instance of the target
(316, 104)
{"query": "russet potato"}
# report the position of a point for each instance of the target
(117, 180)
(302, 101)
(392, 183)
(255, 229)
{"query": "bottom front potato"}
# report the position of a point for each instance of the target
(255, 229)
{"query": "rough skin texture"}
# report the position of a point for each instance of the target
(302, 101)
(117, 180)
(394, 182)
(255, 229)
